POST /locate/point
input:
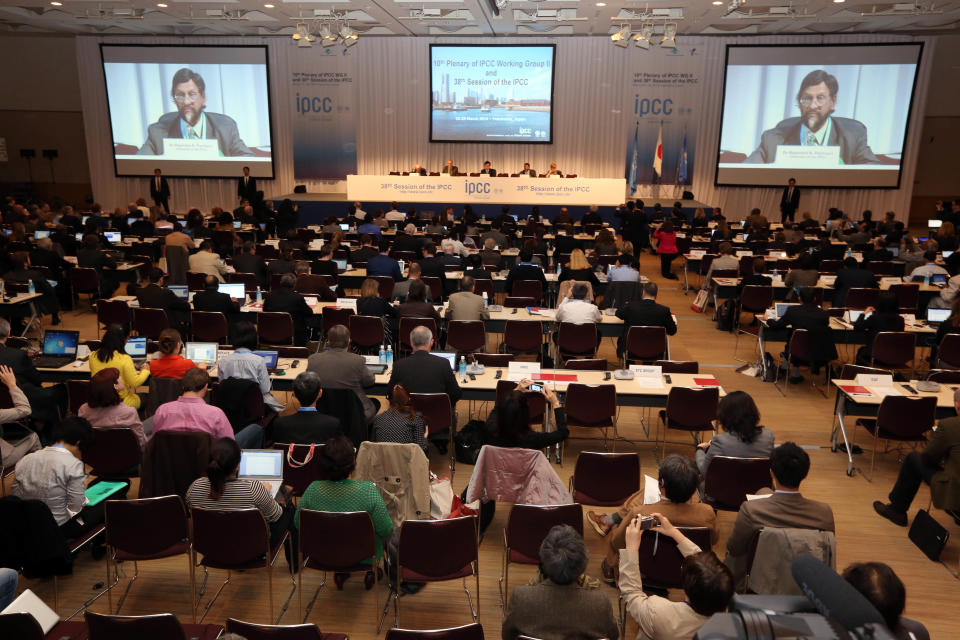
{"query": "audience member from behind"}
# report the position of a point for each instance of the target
(337, 491)
(560, 605)
(645, 312)
(12, 451)
(104, 408)
(246, 365)
(576, 309)
(938, 466)
(742, 436)
(853, 275)
(112, 353)
(207, 261)
(286, 300)
(465, 304)
(625, 270)
(679, 480)
(211, 300)
(707, 583)
(307, 425)
(882, 587)
(884, 317)
(171, 364)
(786, 508)
(340, 368)
(54, 475)
(508, 425)
(400, 422)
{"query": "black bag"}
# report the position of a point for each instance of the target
(769, 368)
(468, 441)
(725, 315)
(928, 534)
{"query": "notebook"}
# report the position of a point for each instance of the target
(265, 465)
(28, 602)
(201, 352)
(41, 234)
(59, 349)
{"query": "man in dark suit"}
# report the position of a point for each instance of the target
(192, 121)
(817, 126)
(786, 508)
(852, 276)
(366, 250)
(789, 201)
(807, 315)
(527, 171)
(488, 170)
(156, 296)
(286, 300)
(250, 262)
(525, 270)
(247, 187)
(645, 312)
(307, 425)
(211, 300)
(384, 265)
(422, 372)
(404, 241)
(48, 404)
(160, 191)
(431, 266)
(418, 170)
(592, 216)
(450, 168)
(938, 466)
(91, 256)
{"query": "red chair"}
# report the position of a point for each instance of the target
(274, 328)
(516, 302)
(893, 350)
(332, 316)
(945, 377)
(908, 297)
(522, 337)
(249, 546)
(23, 626)
(501, 360)
(386, 285)
(161, 626)
(301, 465)
(251, 631)
(146, 529)
(341, 542)
(196, 281)
(660, 560)
(367, 333)
(408, 324)
(645, 344)
(209, 326)
(577, 340)
(313, 284)
(484, 285)
(466, 632)
(435, 286)
(249, 280)
(678, 366)
(466, 336)
(267, 251)
(593, 407)
(728, 481)
(440, 417)
(150, 322)
(536, 403)
(692, 410)
(605, 479)
(755, 299)
(436, 551)
(292, 352)
(586, 364)
(114, 452)
(77, 391)
(861, 298)
(948, 352)
(901, 419)
(528, 289)
(113, 312)
(526, 528)
(85, 280)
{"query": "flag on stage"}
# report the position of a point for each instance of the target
(632, 179)
(658, 154)
(682, 171)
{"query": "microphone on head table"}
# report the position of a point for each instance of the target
(833, 596)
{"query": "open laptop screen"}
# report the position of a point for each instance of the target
(451, 358)
(261, 463)
(136, 347)
(113, 237)
(179, 290)
(201, 352)
(233, 289)
(60, 343)
(269, 357)
(937, 315)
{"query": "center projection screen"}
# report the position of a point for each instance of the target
(491, 93)
(200, 111)
(829, 116)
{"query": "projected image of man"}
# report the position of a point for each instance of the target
(192, 121)
(817, 126)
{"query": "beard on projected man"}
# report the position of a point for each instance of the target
(817, 126)
(192, 120)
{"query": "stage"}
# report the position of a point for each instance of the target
(315, 207)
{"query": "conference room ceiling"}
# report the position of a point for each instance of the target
(474, 17)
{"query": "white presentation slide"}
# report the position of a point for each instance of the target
(496, 93)
(829, 116)
(189, 111)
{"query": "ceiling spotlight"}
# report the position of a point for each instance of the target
(622, 37)
(839, 1)
(669, 36)
(348, 35)
(643, 38)
(57, 4)
(268, 6)
(601, 4)
(327, 37)
(301, 34)
(717, 3)
(162, 5)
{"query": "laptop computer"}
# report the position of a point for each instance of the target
(180, 290)
(938, 278)
(937, 315)
(201, 352)
(781, 308)
(265, 465)
(946, 254)
(934, 224)
(270, 358)
(59, 349)
(450, 356)
(130, 221)
(237, 224)
(136, 348)
(113, 237)
(233, 289)
(45, 233)
(341, 264)
(344, 226)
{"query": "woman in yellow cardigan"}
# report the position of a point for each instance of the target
(112, 354)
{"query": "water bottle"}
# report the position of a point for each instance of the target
(383, 355)
(463, 368)
(389, 355)
(926, 280)
(31, 289)
(259, 295)
(486, 301)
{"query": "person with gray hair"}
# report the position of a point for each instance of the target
(286, 300)
(560, 604)
(307, 425)
(48, 403)
(337, 367)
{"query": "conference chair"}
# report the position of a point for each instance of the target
(518, 302)
(527, 526)
(755, 299)
(209, 326)
(799, 355)
(332, 316)
(466, 632)
(678, 366)
(110, 312)
(161, 626)
(274, 328)
(386, 284)
(249, 548)
(899, 419)
(196, 281)
(301, 465)
(729, 480)
(576, 340)
(340, 542)
(908, 296)
(536, 402)
(150, 322)
(437, 551)
(250, 281)
(113, 453)
(501, 360)
(466, 336)
(605, 479)
(408, 324)
(593, 407)
(951, 376)
(251, 631)
(440, 417)
(645, 344)
(522, 337)
(528, 289)
(435, 285)
(692, 410)
(948, 352)
(85, 280)
(267, 251)
(861, 298)
(660, 560)
(586, 364)
(146, 529)
(23, 626)
(367, 333)
(893, 350)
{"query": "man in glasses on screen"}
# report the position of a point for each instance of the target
(817, 126)
(192, 121)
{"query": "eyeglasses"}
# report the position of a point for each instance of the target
(180, 98)
(819, 100)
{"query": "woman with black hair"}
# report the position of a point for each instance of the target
(743, 437)
(112, 353)
(882, 318)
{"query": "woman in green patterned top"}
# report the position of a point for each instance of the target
(338, 492)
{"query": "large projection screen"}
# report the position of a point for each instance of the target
(491, 93)
(195, 111)
(827, 115)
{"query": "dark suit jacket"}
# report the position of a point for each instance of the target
(51, 260)
(876, 323)
(252, 263)
(154, 297)
(525, 272)
(363, 254)
(944, 447)
(591, 218)
(220, 127)
(305, 427)
(789, 205)
(851, 279)
(817, 322)
(287, 301)
(644, 313)
(247, 191)
(381, 265)
(850, 135)
(452, 170)
(215, 302)
(488, 172)
(164, 191)
(425, 373)
(21, 364)
(403, 242)
(530, 172)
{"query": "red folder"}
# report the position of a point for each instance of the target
(706, 382)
